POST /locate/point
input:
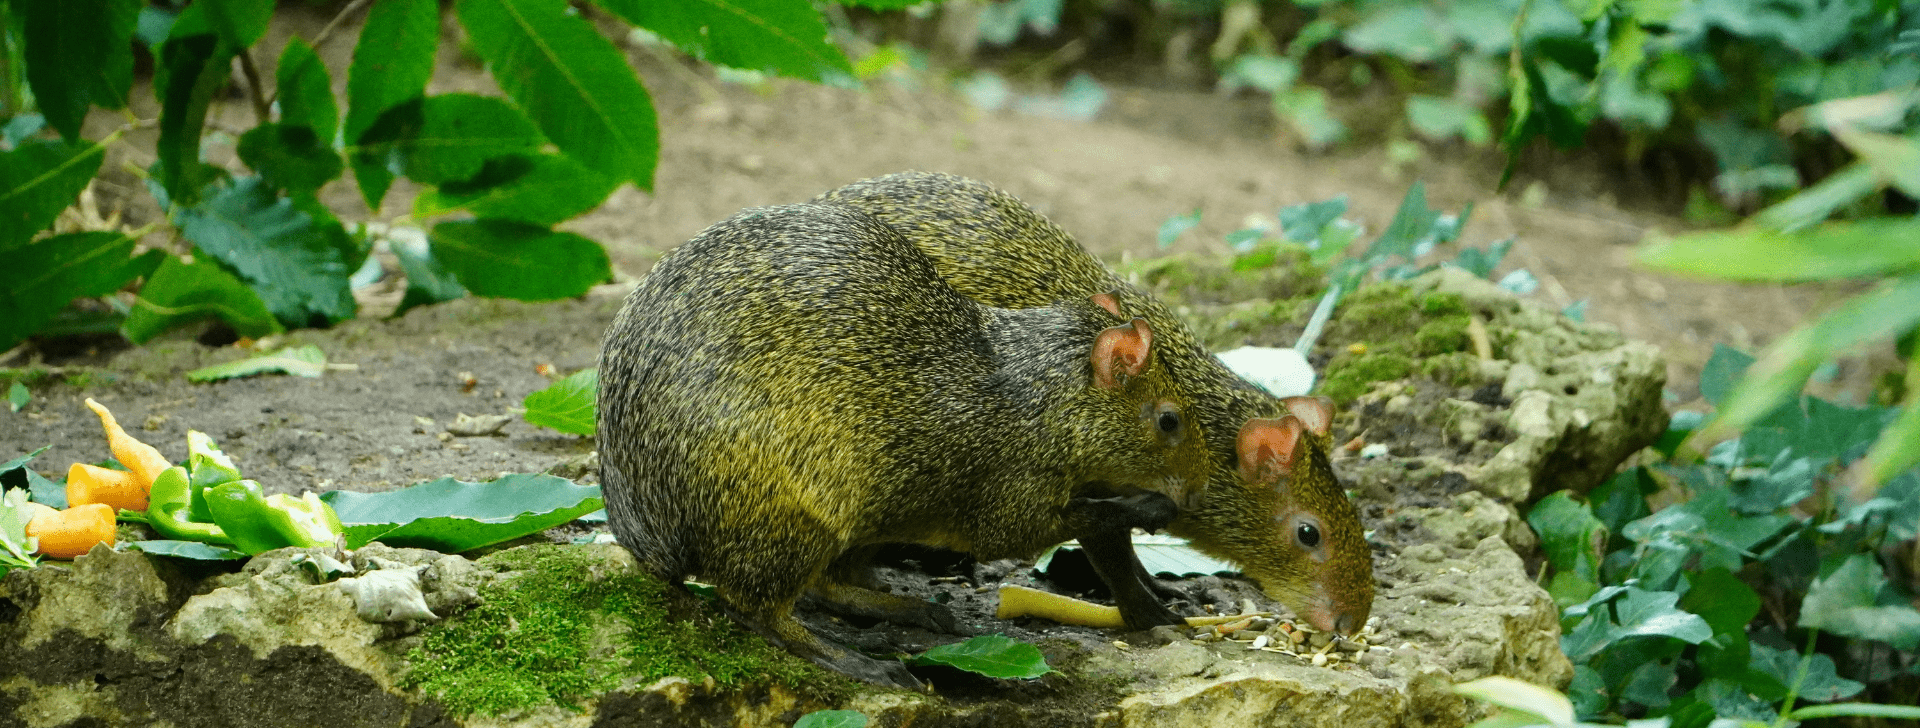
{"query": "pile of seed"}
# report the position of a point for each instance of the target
(1261, 631)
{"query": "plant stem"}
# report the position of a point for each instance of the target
(262, 108)
(324, 34)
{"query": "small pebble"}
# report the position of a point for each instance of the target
(1319, 659)
(1297, 638)
(1345, 645)
(1321, 639)
(1118, 645)
(1259, 642)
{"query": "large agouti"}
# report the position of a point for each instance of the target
(1280, 513)
(798, 382)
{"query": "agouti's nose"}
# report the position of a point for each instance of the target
(1343, 624)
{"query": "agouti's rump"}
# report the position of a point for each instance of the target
(797, 381)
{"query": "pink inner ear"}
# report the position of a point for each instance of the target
(1269, 448)
(1107, 301)
(1114, 353)
(1314, 412)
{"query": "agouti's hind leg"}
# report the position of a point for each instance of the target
(858, 601)
(779, 627)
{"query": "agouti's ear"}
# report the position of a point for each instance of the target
(1270, 448)
(1121, 352)
(1108, 301)
(1314, 412)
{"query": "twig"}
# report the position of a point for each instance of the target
(255, 89)
(327, 32)
(1477, 332)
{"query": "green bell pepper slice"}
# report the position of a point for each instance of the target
(207, 466)
(258, 523)
(168, 510)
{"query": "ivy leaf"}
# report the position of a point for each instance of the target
(293, 262)
(38, 179)
(1644, 613)
(539, 189)
(575, 85)
(390, 67)
(566, 405)
(299, 361)
(57, 269)
(1726, 603)
(1822, 683)
(194, 550)
(506, 259)
(306, 91)
(454, 516)
(291, 157)
(179, 292)
(1176, 226)
(1303, 223)
(787, 37)
(993, 655)
(1847, 603)
(1723, 369)
(832, 719)
(1575, 541)
(79, 53)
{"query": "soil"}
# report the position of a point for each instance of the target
(1154, 152)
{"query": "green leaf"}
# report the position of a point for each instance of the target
(293, 262)
(191, 68)
(290, 157)
(506, 259)
(574, 84)
(787, 37)
(453, 516)
(1722, 370)
(1306, 110)
(1271, 74)
(1575, 541)
(1537, 701)
(187, 550)
(1848, 603)
(460, 132)
(1304, 222)
(54, 270)
(180, 292)
(1725, 602)
(1411, 223)
(299, 361)
(18, 396)
(832, 719)
(14, 474)
(16, 550)
(1896, 158)
(993, 655)
(239, 23)
(428, 282)
(390, 67)
(540, 189)
(1783, 369)
(1821, 199)
(39, 179)
(1869, 710)
(1176, 226)
(1873, 246)
(79, 53)
(1440, 119)
(306, 91)
(566, 405)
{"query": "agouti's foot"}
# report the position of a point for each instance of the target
(892, 673)
(1145, 614)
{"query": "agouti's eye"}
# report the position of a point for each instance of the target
(1308, 535)
(1169, 422)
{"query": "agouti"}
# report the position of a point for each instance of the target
(797, 383)
(1277, 511)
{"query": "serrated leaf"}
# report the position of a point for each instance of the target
(539, 189)
(391, 64)
(187, 550)
(180, 292)
(1178, 225)
(458, 133)
(566, 405)
(428, 282)
(290, 157)
(39, 179)
(299, 361)
(54, 270)
(1847, 603)
(787, 37)
(238, 23)
(454, 516)
(1848, 249)
(832, 719)
(306, 91)
(191, 69)
(507, 259)
(571, 81)
(294, 263)
(79, 53)
(993, 655)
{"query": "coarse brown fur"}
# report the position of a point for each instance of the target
(996, 249)
(797, 382)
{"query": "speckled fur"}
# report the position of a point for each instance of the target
(996, 249)
(798, 381)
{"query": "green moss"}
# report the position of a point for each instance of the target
(1458, 369)
(1443, 335)
(561, 631)
(1348, 376)
(1443, 304)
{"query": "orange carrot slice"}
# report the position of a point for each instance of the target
(74, 531)
(139, 457)
(117, 488)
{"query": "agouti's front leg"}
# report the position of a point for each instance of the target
(1104, 527)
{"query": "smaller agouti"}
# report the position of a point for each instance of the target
(1272, 504)
(796, 383)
